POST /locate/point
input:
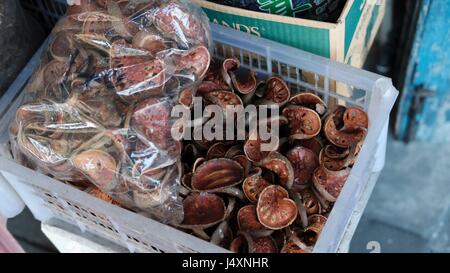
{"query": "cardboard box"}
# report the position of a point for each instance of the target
(346, 41)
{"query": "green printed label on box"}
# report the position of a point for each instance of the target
(314, 40)
(351, 22)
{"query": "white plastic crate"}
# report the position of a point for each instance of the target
(48, 198)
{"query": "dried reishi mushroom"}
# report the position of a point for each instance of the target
(252, 149)
(243, 80)
(62, 46)
(234, 151)
(253, 186)
(217, 173)
(338, 134)
(277, 91)
(304, 123)
(99, 166)
(202, 210)
(151, 117)
(205, 87)
(186, 180)
(196, 60)
(310, 101)
(310, 202)
(304, 162)
(247, 219)
(239, 245)
(274, 208)
(176, 22)
(132, 72)
(228, 65)
(264, 244)
(355, 118)
(149, 40)
(334, 152)
(54, 71)
(244, 162)
(217, 150)
(313, 144)
(330, 183)
(255, 148)
(295, 245)
(312, 232)
(186, 96)
(281, 166)
(334, 158)
(223, 235)
(147, 199)
(223, 98)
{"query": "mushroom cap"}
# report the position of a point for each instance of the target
(239, 245)
(243, 80)
(62, 45)
(152, 118)
(294, 245)
(281, 166)
(252, 149)
(253, 186)
(314, 144)
(149, 40)
(338, 134)
(313, 231)
(244, 162)
(355, 118)
(196, 60)
(202, 210)
(334, 159)
(186, 96)
(330, 183)
(310, 101)
(310, 201)
(264, 244)
(217, 173)
(230, 64)
(99, 166)
(304, 123)
(217, 150)
(234, 151)
(248, 220)
(304, 162)
(277, 91)
(54, 71)
(223, 98)
(274, 208)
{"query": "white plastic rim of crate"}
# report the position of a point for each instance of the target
(68, 238)
(11, 204)
(380, 155)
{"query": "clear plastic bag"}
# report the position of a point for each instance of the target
(98, 107)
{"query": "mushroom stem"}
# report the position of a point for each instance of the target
(201, 233)
(219, 234)
(249, 239)
(233, 191)
(261, 233)
(230, 207)
(301, 208)
(322, 200)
